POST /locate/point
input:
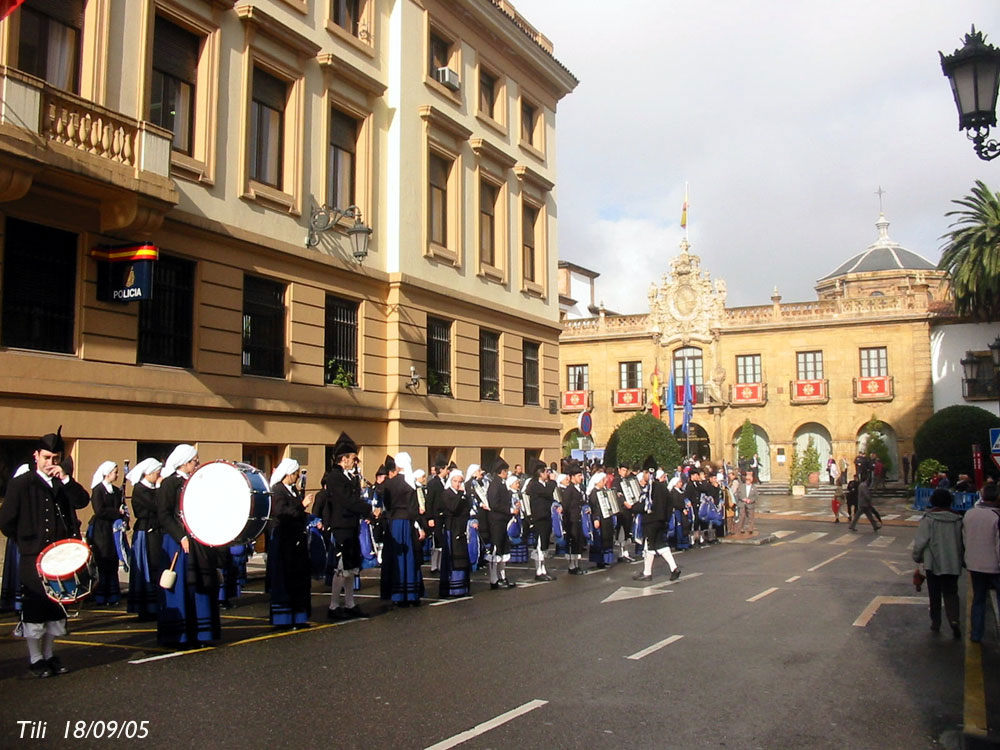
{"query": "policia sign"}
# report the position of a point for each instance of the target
(125, 272)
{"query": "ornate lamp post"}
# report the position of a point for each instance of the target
(974, 73)
(326, 217)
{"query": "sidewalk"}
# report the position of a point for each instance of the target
(895, 511)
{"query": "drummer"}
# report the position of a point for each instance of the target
(189, 611)
(288, 564)
(39, 509)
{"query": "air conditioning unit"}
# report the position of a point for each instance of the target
(447, 77)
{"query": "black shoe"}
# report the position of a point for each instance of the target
(301, 626)
(40, 669)
(601, 566)
(956, 631)
(625, 559)
(575, 572)
(355, 611)
(56, 666)
(544, 577)
(504, 583)
(641, 577)
(226, 604)
(675, 574)
(335, 615)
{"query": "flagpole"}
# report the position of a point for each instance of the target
(685, 209)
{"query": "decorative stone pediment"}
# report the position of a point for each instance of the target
(686, 305)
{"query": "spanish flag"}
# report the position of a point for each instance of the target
(684, 211)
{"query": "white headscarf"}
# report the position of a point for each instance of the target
(22, 469)
(592, 484)
(178, 457)
(560, 478)
(283, 469)
(142, 469)
(419, 474)
(454, 473)
(660, 473)
(673, 483)
(471, 471)
(512, 480)
(102, 471)
(405, 465)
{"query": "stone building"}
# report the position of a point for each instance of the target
(212, 132)
(796, 370)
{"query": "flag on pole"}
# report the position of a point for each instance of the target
(671, 399)
(688, 403)
(8, 6)
(655, 383)
(684, 211)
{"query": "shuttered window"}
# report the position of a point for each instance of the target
(267, 128)
(342, 159)
(48, 45)
(175, 73)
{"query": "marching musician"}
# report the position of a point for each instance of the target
(288, 564)
(475, 488)
(147, 540)
(624, 516)
(539, 495)
(106, 501)
(433, 513)
(573, 502)
(604, 542)
(39, 509)
(189, 611)
(456, 507)
(654, 530)
(402, 582)
(498, 515)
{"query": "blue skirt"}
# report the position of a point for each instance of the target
(402, 580)
(289, 573)
(186, 615)
(454, 582)
(143, 575)
(234, 574)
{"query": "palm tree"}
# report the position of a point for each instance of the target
(972, 254)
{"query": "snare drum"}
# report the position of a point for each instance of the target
(225, 503)
(67, 570)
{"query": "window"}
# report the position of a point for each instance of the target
(439, 356)
(440, 169)
(263, 327)
(341, 341)
(630, 374)
(748, 369)
(530, 350)
(874, 362)
(440, 53)
(983, 384)
(267, 128)
(529, 123)
(49, 41)
(342, 159)
(529, 217)
(488, 87)
(577, 377)
(689, 360)
(489, 366)
(347, 14)
(166, 321)
(175, 72)
(810, 365)
(39, 308)
(488, 194)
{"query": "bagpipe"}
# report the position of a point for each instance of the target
(122, 547)
(708, 511)
(517, 529)
(472, 534)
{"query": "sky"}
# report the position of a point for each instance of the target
(784, 117)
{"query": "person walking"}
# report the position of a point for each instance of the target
(865, 505)
(981, 535)
(938, 545)
(746, 496)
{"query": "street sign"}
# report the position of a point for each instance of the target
(995, 445)
(585, 423)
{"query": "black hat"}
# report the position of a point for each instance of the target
(389, 464)
(649, 464)
(438, 465)
(536, 467)
(52, 442)
(66, 465)
(381, 472)
(344, 446)
(452, 466)
(500, 465)
(572, 467)
(622, 463)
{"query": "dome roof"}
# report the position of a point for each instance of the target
(883, 255)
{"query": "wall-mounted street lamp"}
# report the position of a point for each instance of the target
(974, 73)
(326, 217)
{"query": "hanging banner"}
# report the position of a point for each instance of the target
(629, 398)
(125, 272)
(574, 400)
(873, 389)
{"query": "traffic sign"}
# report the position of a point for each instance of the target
(995, 445)
(586, 423)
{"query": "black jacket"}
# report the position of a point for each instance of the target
(34, 515)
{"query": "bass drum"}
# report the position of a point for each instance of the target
(225, 503)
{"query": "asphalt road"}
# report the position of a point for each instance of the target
(754, 647)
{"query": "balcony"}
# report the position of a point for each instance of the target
(979, 389)
(748, 394)
(628, 399)
(873, 389)
(53, 138)
(577, 400)
(809, 391)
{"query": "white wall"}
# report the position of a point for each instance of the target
(949, 344)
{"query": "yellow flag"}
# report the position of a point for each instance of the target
(684, 211)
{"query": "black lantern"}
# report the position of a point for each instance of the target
(995, 352)
(970, 365)
(974, 73)
(359, 234)
(325, 218)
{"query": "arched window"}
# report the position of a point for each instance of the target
(689, 360)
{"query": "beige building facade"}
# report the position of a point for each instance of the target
(215, 130)
(795, 370)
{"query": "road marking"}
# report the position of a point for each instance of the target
(915, 518)
(450, 601)
(882, 541)
(846, 538)
(793, 579)
(878, 601)
(974, 693)
(826, 562)
(655, 647)
(894, 569)
(817, 513)
(807, 538)
(890, 517)
(762, 594)
(171, 655)
(782, 534)
(787, 513)
(631, 592)
(486, 726)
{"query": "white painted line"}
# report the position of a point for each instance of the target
(846, 538)
(684, 577)
(882, 541)
(449, 601)
(827, 562)
(782, 534)
(793, 579)
(915, 518)
(762, 594)
(818, 513)
(890, 517)
(655, 647)
(909, 547)
(486, 726)
(787, 513)
(807, 538)
(878, 601)
(160, 657)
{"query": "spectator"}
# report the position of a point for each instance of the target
(981, 534)
(938, 545)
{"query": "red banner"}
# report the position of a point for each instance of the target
(8, 6)
(629, 398)
(809, 390)
(574, 400)
(748, 393)
(680, 395)
(875, 388)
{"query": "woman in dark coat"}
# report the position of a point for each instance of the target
(107, 502)
(147, 541)
(457, 507)
(402, 581)
(288, 564)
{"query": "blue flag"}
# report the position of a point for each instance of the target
(671, 400)
(688, 403)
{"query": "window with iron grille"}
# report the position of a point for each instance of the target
(166, 321)
(342, 159)
(489, 366)
(630, 374)
(341, 341)
(48, 44)
(577, 377)
(439, 356)
(748, 368)
(874, 362)
(809, 365)
(263, 327)
(267, 128)
(530, 351)
(175, 72)
(39, 308)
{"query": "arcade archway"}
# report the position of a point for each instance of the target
(763, 450)
(891, 442)
(695, 443)
(822, 441)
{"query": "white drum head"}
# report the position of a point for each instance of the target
(64, 559)
(216, 503)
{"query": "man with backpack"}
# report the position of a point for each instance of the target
(981, 533)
